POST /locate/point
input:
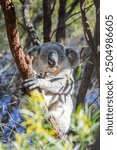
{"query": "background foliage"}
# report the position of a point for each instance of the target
(85, 120)
(74, 32)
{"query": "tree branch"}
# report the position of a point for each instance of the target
(28, 23)
(53, 6)
(87, 8)
(97, 25)
(65, 26)
(24, 64)
(87, 74)
(60, 33)
(85, 81)
(38, 19)
(47, 23)
(73, 5)
(89, 39)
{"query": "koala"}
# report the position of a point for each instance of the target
(53, 64)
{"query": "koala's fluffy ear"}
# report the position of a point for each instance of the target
(34, 51)
(73, 57)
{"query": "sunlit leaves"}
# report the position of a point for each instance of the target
(85, 125)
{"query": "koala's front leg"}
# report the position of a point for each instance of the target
(57, 85)
(31, 83)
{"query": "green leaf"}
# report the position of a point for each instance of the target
(80, 106)
(95, 117)
(78, 73)
(53, 141)
(95, 126)
(86, 109)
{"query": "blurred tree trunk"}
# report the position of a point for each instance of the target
(85, 81)
(89, 69)
(60, 33)
(47, 23)
(96, 145)
(90, 40)
(24, 64)
(73, 6)
(37, 20)
(97, 25)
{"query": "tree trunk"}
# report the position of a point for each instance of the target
(85, 81)
(72, 7)
(47, 23)
(28, 23)
(60, 34)
(24, 64)
(90, 40)
(97, 25)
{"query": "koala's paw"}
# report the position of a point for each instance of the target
(31, 83)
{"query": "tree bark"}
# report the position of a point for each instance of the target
(28, 23)
(47, 23)
(37, 20)
(24, 64)
(90, 40)
(97, 25)
(87, 74)
(60, 33)
(86, 79)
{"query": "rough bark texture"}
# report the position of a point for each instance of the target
(85, 81)
(89, 39)
(37, 20)
(60, 33)
(24, 64)
(97, 25)
(28, 23)
(47, 23)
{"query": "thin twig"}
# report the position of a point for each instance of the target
(72, 7)
(70, 22)
(87, 8)
(52, 9)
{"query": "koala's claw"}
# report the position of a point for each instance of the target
(31, 83)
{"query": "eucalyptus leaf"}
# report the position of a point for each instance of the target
(78, 73)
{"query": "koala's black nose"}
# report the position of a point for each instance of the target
(52, 59)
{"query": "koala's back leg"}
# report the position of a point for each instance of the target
(62, 113)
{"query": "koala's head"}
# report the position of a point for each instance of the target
(52, 57)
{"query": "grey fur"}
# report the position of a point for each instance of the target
(58, 83)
